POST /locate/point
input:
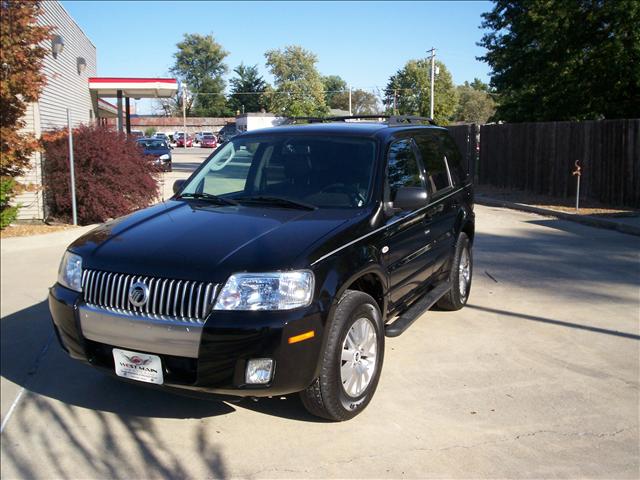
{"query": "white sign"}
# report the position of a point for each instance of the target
(138, 366)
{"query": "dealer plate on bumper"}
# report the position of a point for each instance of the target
(138, 366)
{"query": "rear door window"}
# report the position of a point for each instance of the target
(439, 176)
(403, 169)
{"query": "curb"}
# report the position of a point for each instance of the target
(572, 217)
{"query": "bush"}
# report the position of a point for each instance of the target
(113, 178)
(8, 213)
(149, 131)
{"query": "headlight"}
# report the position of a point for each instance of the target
(165, 157)
(70, 271)
(266, 291)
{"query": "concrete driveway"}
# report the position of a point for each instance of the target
(537, 377)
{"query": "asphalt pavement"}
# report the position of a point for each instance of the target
(537, 377)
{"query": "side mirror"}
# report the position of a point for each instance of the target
(410, 198)
(177, 185)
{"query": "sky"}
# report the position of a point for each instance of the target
(363, 42)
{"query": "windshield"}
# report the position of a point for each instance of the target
(332, 172)
(207, 137)
(152, 144)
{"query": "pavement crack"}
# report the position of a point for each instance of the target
(36, 363)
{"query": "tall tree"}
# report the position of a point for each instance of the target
(21, 80)
(247, 89)
(298, 85)
(564, 60)
(362, 102)
(200, 64)
(409, 89)
(334, 88)
(475, 105)
(479, 85)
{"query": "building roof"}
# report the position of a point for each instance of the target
(133, 87)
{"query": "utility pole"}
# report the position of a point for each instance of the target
(433, 77)
(184, 112)
(350, 110)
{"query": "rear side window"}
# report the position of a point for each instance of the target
(402, 167)
(454, 159)
(439, 178)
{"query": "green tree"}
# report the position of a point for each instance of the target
(210, 100)
(298, 88)
(200, 64)
(334, 89)
(362, 102)
(559, 60)
(21, 80)
(411, 88)
(247, 89)
(475, 105)
(479, 85)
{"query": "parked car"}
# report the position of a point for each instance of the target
(162, 136)
(199, 135)
(227, 132)
(280, 273)
(208, 141)
(137, 133)
(158, 150)
(182, 141)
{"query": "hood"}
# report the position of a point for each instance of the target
(199, 241)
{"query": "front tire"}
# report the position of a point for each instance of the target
(351, 362)
(460, 277)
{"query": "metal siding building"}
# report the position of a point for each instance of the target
(66, 88)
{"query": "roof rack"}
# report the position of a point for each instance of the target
(390, 119)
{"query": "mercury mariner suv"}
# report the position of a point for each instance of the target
(279, 266)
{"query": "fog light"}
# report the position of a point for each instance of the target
(259, 370)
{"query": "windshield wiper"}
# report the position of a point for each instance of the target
(210, 197)
(279, 201)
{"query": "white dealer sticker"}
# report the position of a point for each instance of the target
(138, 366)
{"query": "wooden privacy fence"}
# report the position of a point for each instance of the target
(540, 158)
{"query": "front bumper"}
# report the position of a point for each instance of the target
(217, 363)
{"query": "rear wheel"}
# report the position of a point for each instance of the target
(351, 361)
(460, 277)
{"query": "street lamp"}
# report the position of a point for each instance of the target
(57, 45)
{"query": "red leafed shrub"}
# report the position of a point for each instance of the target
(112, 176)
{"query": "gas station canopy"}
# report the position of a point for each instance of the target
(126, 88)
(108, 87)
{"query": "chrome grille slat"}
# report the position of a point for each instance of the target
(110, 289)
(119, 292)
(175, 300)
(92, 292)
(198, 299)
(101, 287)
(204, 303)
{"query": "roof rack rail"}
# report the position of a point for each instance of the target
(390, 119)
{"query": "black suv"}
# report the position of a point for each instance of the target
(279, 266)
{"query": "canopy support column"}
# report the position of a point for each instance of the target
(119, 96)
(128, 115)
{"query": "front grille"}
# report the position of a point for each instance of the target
(168, 299)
